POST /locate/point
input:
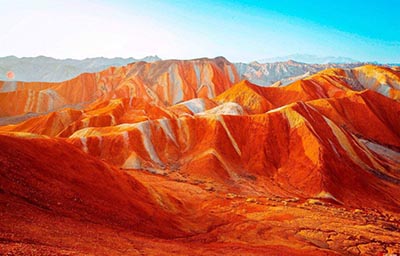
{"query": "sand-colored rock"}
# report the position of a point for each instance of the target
(311, 168)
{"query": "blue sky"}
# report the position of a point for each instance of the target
(239, 30)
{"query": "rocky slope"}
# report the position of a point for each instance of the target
(311, 168)
(162, 82)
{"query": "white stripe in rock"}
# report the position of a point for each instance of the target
(224, 164)
(133, 162)
(230, 73)
(125, 137)
(165, 125)
(233, 141)
(100, 141)
(184, 132)
(195, 105)
(84, 144)
(382, 150)
(144, 128)
(345, 143)
(113, 122)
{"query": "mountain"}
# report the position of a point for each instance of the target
(283, 73)
(310, 59)
(46, 69)
(180, 157)
(163, 82)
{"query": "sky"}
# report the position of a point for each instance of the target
(173, 29)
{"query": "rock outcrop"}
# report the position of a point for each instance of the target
(181, 149)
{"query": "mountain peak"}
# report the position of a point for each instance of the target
(291, 62)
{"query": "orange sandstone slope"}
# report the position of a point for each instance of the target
(80, 205)
(325, 84)
(253, 99)
(302, 149)
(254, 170)
(162, 82)
(52, 176)
(55, 199)
(319, 119)
(19, 98)
(107, 113)
(383, 80)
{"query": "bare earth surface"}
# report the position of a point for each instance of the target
(180, 158)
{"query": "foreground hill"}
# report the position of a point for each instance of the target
(309, 168)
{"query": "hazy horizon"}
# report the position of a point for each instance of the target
(241, 31)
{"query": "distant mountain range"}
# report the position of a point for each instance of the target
(264, 73)
(47, 69)
(283, 73)
(310, 59)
